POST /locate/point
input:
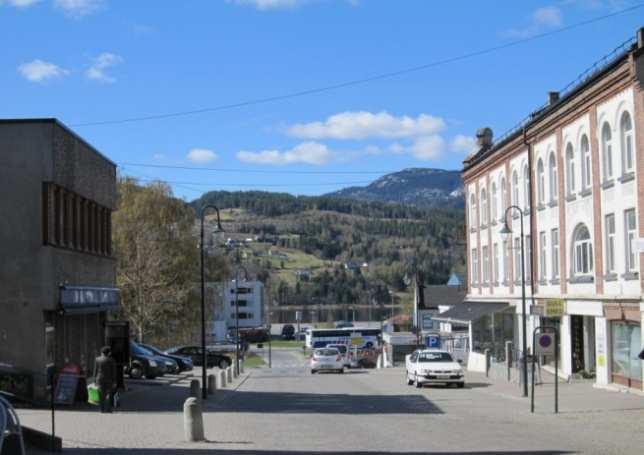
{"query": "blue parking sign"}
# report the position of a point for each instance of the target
(433, 341)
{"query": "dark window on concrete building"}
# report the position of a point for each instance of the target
(74, 222)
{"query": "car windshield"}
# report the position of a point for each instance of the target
(150, 348)
(326, 352)
(141, 350)
(342, 348)
(434, 357)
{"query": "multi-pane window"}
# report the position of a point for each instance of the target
(582, 251)
(483, 207)
(485, 259)
(493, 203)
(542, 255)
(541, 182)
(475, 266)
(554, 246)
(515, 188)
(495, 265)
(630, 236)
(610, 243)
(528, 257)
(526, 187)
(584, 148)
(570, 169)
(517, 259)
(607, 152)
(626, 133)
(506, 262)
(74, 222)
(504, 196)
(552, 174)
(473, 211)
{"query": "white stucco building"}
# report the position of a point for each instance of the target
(250, 301)
(576, 170)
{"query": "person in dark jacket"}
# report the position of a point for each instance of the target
(105, 378)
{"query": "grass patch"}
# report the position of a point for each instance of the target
(252, 360)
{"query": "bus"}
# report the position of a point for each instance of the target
(367, 338)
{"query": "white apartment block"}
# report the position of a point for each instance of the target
(249, 296)
(576, 170)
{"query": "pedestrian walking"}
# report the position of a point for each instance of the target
(105, 377)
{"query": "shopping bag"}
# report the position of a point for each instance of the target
(92, 394)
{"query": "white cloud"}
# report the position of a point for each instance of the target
(201, 156)
(542, 19)
(363, 124)
(101, 63)
(79, 8)
(41, 71)
(306, 152)
(428, 148)
(269, 4)
(463, 144)
(20, 3)
(397, 149)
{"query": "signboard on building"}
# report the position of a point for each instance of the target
(554, 308)
(545, 344)
(83, 298)
(428, 323)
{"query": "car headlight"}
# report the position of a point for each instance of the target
(153, 363)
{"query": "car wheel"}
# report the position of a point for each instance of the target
(460, 385)
(136, 372)
(341, 371)
(417, 382)
(313, 371)
(150, 376)
(407, 380)
(223, 364)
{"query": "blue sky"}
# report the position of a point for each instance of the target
(86, 61)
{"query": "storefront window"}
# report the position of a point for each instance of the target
(626, 345)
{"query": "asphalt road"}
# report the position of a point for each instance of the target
(286, 410)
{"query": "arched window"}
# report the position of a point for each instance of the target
(541, 182)
(582, 251)
(570, 170)
(493, 203)
(483, 207)
(607, 152)
(526, 187)
(584, 148)
(552, 176)
(626, 133)
(473, 211)
(504, 197)
(515, 188)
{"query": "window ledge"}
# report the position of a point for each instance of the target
(495, 284)
(552, 203)
(610, 277)
(541, 207)
(587, 192)
(517, 282)
(493, 223)
(581, 279)
(608, 184)
(571, 197)
(472, 230)
(543, 282)
(475, 284)
(627, 177)
(526, 211)
(630, 276)
(483, 226)
(555, 281)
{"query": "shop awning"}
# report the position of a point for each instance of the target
(88, 299)
(468, 312)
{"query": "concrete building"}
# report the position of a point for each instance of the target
(57, 273)
(575, 167)
(250, 301)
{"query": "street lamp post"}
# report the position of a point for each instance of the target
(204, 383)
(237, 349)
(506, 230)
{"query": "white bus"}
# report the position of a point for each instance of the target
(319, 338)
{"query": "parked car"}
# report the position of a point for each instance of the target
(143, 363)
(196, 354)
(288, 332)
(181, 363)
(327, 359)
(432, 366)
(255, 335)
(345, 352)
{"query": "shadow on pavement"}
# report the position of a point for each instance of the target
(109, 451)
(324, 403)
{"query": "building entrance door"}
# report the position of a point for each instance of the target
(577, 343)
(626, 366)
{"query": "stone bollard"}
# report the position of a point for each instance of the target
(195, 389)
(192, 420)
(379, 361)
(486, 352)
(212, 384)
(229, 375)
(235, 371)
(222, 379)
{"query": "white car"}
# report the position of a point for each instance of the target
(433, 366)
(344, 351)
(327, 359)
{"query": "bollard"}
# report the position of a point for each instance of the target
(212, 384)
(486, 352)
(379, 361)
(235, 371)
(508, 359)
(229, 375)
(195, 389)
(222, 379)
(192, 420)
(241, 367)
